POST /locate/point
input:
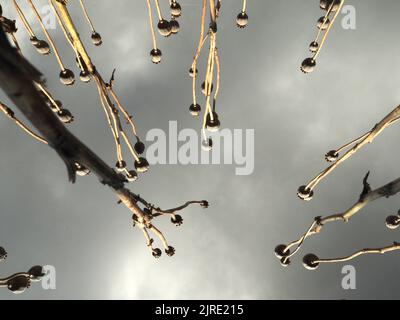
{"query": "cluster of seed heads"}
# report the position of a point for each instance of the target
(324, 24)
(19, 282)
(393, 221)
(144, 221)
(211, 122)
(310, 261)
(165, 27)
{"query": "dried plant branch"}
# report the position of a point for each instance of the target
(324, 25)
(367, 196)
(19, 282)
(306, 192)
(22, 83)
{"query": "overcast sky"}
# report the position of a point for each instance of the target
(226, 251)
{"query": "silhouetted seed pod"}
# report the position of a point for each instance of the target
(3, 254)
(58, 105)
(325, 5)
(281, 252)
(204, 204)
(67, 77)
(132, 176)
(192, 73)
(1, 11)
(176, 9)
(65, 116)
(242, 20)
(156, 55)
(18, 284)
(177, 220)
(214, 124)
(175, 27)
(203, 88)
(393, 222)
(207, 144)
(139, 147)
(34, 40)
(170, 251)
(156, 253)
(310, 262)
(285, 262)
(81, 170)
(314, 46)
(332, 156)
(96, 39)
(164, 28)
(84, 76)
(323, 23)
(120, 165)
(305, 193)
(308, 65)
(36, 273)
(195, 109)
(42, 47)
(142, 165)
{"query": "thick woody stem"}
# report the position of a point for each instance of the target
(368, 138)
(367, 196)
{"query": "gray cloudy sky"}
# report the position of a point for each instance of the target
(225, 251)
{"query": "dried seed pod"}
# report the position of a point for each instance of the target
(308, 65)
(393, 222)
(67, 77)
(325, 5)
(305, 193)
(323, 23)
(142, 165)
(192, 72)
(84, 76)
(65, 116)
(170, 251)
(156, 56)
(214, 124)
(310, 261)
(175, 27)
(42, 47)
(164, 28)
(120, 165)
(34, 40)
(207, 144)
(132, 176)
(195, 109)
(139, 147)
(55, 107)
(285, 262)
(157, 253)
(3, 254)
(314, 46)
(36, 273)
(242, 20)
(96, 38)
(203, 88)
(18, 284)
(281, 252)
(204, 204)
(176, 9)
(332, 156)
(81, 170)
(177, 220)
